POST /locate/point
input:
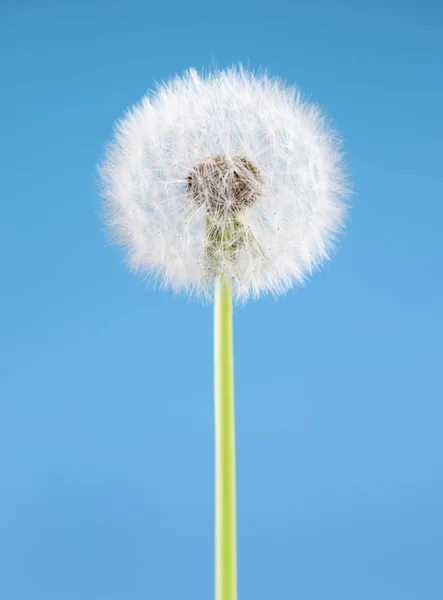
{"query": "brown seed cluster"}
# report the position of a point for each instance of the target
(224, 186)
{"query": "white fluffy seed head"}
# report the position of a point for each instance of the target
(230, 174)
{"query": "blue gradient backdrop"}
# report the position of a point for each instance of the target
(106, 423)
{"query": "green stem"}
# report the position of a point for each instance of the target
(225, 493)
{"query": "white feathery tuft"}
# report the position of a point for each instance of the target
(231, 174)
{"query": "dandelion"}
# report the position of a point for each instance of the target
(225, 185)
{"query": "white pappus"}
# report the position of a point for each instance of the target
(230, 173)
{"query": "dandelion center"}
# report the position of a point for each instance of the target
(224, 186)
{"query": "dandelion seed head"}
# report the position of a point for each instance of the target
(232, 174)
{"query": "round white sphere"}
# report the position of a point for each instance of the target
(231, 116)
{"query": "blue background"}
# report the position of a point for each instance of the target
(106, 422)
